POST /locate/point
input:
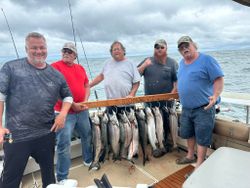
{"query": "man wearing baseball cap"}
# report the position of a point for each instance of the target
(159, 73)
(200, 83)
(78, 116)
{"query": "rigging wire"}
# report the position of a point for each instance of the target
(73, 28)
(12, 38)
(90, 72)
(74, 34)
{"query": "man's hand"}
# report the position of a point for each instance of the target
(147, 62)
(212, 101)
(59, 123)
(3, 131)
(78, 107)
(129, 96)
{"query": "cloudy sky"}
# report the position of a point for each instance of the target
(213, 24)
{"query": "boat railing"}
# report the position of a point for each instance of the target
(242, 99)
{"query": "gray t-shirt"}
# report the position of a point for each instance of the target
(159, 78)
(119, 78)
(31, 94)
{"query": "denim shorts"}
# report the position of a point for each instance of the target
(198, 123)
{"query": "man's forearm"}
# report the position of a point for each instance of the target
(1, 113)
(174, 90)
(218, 86)
(134, 89)
(87, 93)
(96, 80)
(65, 108)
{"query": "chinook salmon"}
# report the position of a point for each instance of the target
(133, 147)
(173, 124)
(114, 134)
(159, 127)
(96, 132)
(125, 134)
(143, 133)
(152, 133)
(104, 136)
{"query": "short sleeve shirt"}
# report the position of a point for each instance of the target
(76, 78)
(31, 94)
(159, 78)
(119, 78)
(195, 81)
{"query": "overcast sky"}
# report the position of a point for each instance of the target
(213, 24)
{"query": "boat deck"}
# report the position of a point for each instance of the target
(120, 173)
(175, 180)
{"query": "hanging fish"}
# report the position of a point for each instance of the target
(159, 128)
(104, 136)
(125, 134)
(152, 133)
(173, 124)
(143, 133)
(96, 131)
(114, 134)
(134, 145)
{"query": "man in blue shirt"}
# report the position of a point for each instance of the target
(200, 83)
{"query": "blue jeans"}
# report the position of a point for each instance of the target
(79, 122)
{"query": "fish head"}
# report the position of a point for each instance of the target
(148, 110)
(100, 114)
(131, 115)
(105, 118)
(156, 110)
(123, 116)
(165, 108)
(140, 114)
(95, 119)
(113, 118)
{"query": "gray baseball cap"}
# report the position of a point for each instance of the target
(161, 42)
(184, 39)
(71, 46)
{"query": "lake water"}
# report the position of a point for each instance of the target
(235, 65)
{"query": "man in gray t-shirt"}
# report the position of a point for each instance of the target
(30, 88)
(160, 76)
(120, 75)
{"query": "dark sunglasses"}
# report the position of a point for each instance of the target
(65, 50)
(159, 47)
(183, 46)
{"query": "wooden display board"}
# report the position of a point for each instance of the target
(132, 100)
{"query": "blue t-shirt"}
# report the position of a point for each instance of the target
(195, 81)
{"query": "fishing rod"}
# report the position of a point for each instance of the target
(96, 96)
(72, 25)
(13, 41)
(74, 34)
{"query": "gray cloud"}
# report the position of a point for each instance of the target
(213, 24)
